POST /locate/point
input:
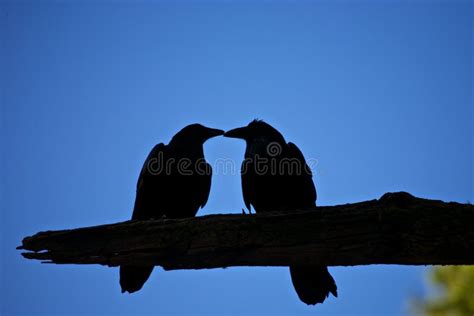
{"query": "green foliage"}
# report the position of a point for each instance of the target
(455, 285)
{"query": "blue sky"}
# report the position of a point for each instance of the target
(380, 93)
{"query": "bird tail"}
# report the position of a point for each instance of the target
(132, 278)
(312, 283)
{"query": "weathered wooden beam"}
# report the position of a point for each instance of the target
(396, 229)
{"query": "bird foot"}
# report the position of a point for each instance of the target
(245, 213)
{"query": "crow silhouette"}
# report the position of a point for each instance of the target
(174, 182)
(275, 177)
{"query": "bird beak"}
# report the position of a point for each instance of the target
(240, 132)
(213, 132)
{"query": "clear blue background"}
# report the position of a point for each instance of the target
(379, 93)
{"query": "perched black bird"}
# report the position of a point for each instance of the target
(275, 177)
(174, 182)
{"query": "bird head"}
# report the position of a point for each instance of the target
(195, 134)
(256, 129)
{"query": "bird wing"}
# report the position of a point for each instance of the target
(149, 182)
(205, 184)
(151, 162)
(302, 182)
